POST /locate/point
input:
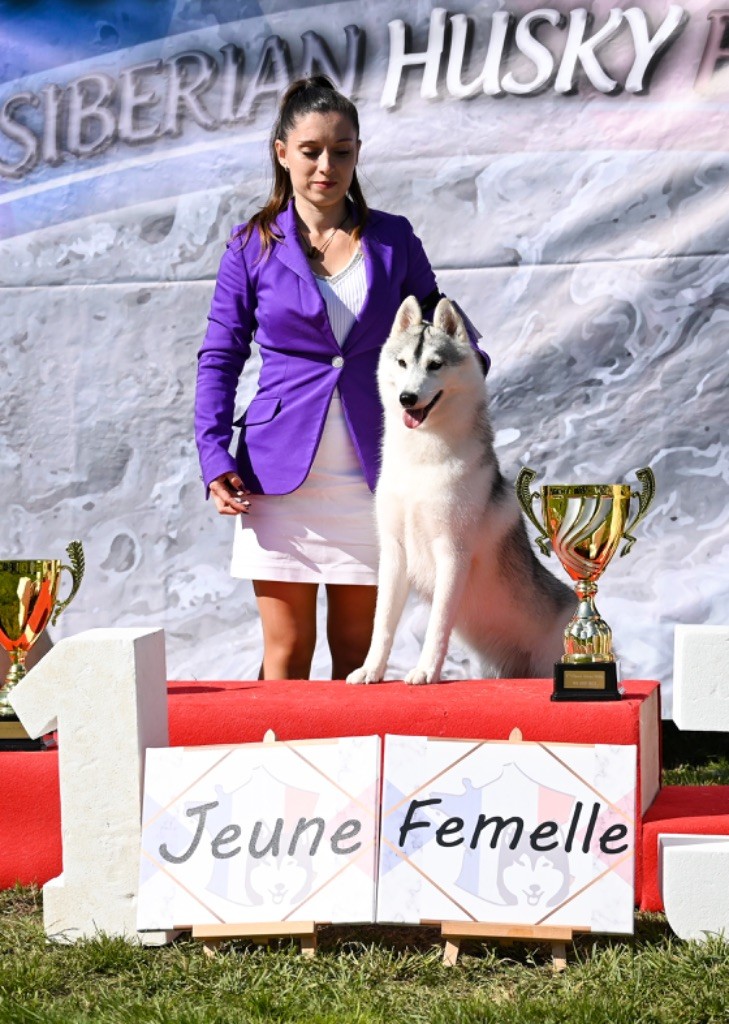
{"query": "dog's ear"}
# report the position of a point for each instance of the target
(447, 319)
(408, 315)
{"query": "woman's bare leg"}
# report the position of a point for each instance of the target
(350, 613)
(288, 617)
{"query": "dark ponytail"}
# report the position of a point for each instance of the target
(313, 95)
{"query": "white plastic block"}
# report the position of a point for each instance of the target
(701, 678)
(106, 692)
(693, 873)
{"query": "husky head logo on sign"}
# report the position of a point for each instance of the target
(532, 878)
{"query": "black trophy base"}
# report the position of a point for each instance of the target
(589, 680)
(14, 737)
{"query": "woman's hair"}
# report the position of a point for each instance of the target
(313, 95)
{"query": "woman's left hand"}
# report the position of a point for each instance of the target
(229, 494)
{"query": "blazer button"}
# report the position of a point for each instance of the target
(337, 362)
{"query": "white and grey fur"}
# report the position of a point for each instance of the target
(448, 523)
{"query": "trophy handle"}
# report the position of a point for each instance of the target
(526, 497)
(645, 498)
(75, 554)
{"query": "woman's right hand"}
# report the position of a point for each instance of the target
(229, 494)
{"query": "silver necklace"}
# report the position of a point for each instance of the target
(312, 252)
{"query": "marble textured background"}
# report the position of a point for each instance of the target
(586, 235)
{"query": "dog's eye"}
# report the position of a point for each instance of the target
(434, 364)
(402, 363)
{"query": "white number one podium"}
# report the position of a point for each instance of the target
(105, 691)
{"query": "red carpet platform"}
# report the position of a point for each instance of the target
(30, 843)
(686, 810)
(240, 712)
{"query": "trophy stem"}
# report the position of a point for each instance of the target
(587, 638)
(15, 674)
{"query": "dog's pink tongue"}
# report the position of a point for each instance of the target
(412, 417)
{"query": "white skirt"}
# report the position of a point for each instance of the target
(323, 532)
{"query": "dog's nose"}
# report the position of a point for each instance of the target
(407, 399)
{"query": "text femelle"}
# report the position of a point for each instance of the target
(545, 836)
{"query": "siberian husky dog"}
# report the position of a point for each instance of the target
(448, 523)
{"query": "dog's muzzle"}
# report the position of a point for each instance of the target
(411, 416)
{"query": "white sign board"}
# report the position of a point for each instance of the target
(523, 833)
(260, 832)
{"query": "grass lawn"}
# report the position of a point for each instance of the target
(371, 974)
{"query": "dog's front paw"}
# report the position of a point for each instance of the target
(420, 676)
(364, 675)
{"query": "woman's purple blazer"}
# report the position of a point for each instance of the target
(276, 300)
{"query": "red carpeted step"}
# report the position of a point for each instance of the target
(30, 840)
(239, 712)
(686, 810)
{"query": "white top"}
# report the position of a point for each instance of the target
(344, 294)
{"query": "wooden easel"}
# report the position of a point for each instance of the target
(455, 931)
(212, 935)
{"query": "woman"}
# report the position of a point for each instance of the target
(317, 278)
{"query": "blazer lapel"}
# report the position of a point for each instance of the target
(290, 253)
(378, 265)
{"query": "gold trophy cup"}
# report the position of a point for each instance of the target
(28, 602)
(585, 523)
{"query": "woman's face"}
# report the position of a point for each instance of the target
(321, 154)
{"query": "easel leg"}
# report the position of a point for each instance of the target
(559, 956)
(308, 945)
(210, 947)
(451, 951)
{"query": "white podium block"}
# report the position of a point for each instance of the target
(693, 872)
(701, 678)
(105, 691)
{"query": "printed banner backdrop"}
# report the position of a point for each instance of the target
(566, 169)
